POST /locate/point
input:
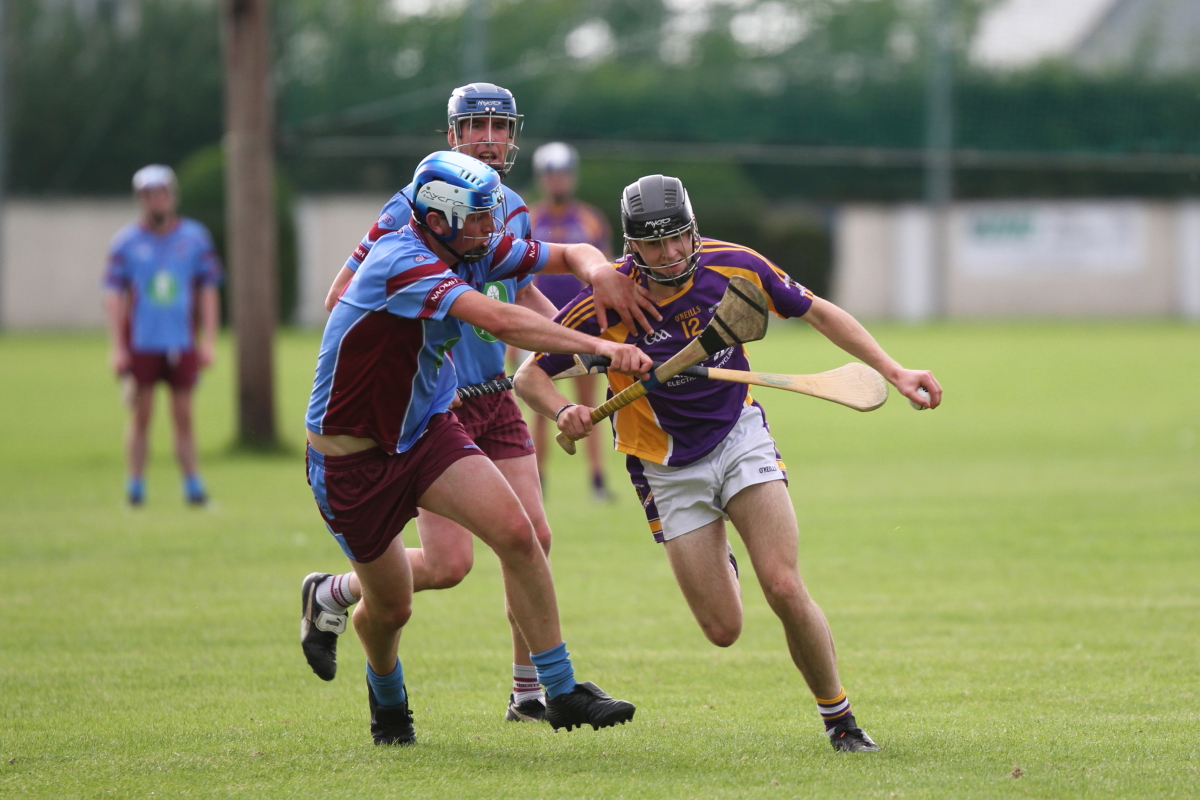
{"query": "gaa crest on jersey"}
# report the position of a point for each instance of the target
(497, 291)
(163, 289)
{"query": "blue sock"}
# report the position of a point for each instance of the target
(135, 488)
(193, 486)
(388, 689)
(554, 670)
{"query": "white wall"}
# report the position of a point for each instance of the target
(55, 252)
(329, 228)
(1102, 258)
(54, 256)
(1020, 259)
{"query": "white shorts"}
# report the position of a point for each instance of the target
(678, 500)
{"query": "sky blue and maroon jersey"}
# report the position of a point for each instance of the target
(686, 418)
(382, 371)
(478, 357)
(569, 223)
(163, 274)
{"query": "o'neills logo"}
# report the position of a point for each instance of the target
(438, 292)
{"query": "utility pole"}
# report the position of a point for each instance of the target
(250, 212)
(3, 148)
(939, 146)
(474, 41)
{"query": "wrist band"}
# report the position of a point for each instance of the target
(559, 412)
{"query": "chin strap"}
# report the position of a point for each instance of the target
(421, 224)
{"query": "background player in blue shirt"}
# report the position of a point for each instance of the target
(161, 283)
(482, 122)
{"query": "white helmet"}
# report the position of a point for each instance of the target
(152, 176)
(555, 157)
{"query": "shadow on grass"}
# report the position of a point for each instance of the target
(279, 450)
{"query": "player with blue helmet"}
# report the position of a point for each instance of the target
(490, 110)
(482, 122)
(446, 182)
(383, 442)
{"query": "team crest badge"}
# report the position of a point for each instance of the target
(163, 288)
(496, 291)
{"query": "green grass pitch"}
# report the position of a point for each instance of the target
(1012, 581)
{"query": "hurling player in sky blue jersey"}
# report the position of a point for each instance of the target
(699, 451)
(161, 285)
(383, 441)
(482, 121)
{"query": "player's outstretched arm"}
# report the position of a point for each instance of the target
(846, 332)
(533, 385)
(339, 284)
(529, 331)
(610, 288)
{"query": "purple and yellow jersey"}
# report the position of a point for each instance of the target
(163, 275)
(685, 418)
(570, 223)
(382, 371)
(478, 356)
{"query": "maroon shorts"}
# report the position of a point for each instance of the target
(367, 498)
(179, 368)
(494, 421)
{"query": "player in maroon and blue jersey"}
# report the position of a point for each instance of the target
(383, 441)
(560, 217)
(700, 451)
(482, 121)
(161, 284)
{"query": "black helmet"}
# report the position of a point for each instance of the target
(655, 208)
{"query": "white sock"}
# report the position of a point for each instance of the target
(333, 593)
(525, 683)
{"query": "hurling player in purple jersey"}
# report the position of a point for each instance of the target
(560, 217)
(161, 285)
(699, 451)
(383, 441)
(482, 121)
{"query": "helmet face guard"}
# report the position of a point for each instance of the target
(656, 212)
(459, 187)
(485, 104)
(457, 205)
(689, 245)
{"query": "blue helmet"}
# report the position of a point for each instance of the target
(457, 186)
(485, 100)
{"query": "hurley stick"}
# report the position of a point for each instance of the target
(854, 385)
(741, 317)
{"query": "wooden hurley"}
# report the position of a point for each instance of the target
(854, 385)
(741, 317)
